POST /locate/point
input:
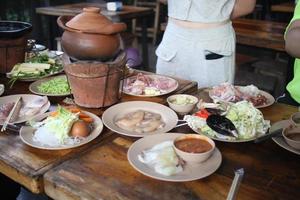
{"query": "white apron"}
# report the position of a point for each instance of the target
(182, 52)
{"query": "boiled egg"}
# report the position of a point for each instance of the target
(80, 129)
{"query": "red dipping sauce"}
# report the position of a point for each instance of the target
(193, 145)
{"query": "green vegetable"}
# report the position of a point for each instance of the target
(61, 123)
(35, 67)
(58, 85)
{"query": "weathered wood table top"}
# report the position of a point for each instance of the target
(104, 172)
(128, 12)
(27, 165)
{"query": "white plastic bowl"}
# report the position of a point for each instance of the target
(182, 109)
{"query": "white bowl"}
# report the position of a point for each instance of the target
(295, 118)
(179, 107)
(194, 157)
(288, 132)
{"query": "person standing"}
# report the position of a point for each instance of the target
(292, 46)
(199, 41)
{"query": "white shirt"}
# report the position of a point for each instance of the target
(205, 11)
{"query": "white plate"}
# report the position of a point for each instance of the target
(1, 89)
(33, 87)
(27, 133)
(25, 98)
(168, 116)
(153, 76)
(190, 171)
(280, 140)
(270, 98)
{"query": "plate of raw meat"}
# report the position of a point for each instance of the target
(227, 92)
(145, 85)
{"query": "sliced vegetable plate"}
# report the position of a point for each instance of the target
(43, 65)
(51, 86)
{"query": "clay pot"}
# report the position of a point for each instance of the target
(90, 35)
(95, 84)
(13, 41)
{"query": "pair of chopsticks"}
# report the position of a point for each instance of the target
(13, 113)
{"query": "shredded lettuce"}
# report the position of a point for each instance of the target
(61, 123)
(248, 120)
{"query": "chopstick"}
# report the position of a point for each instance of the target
(183, 124)
(11, 114)
(235, 184)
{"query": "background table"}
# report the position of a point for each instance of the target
(287, 7)
(127, 13)
(27, 165)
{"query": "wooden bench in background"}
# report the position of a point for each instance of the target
(260, 33)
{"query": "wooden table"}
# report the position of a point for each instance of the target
(127, 13)
(27, 165)
(260, 33)
(287, 7)
(103, 172)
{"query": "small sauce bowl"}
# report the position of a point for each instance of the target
(291, 135)
(182, 103)
(295, 118)
(194, 148)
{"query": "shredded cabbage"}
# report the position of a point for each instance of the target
(60, 124)
(248, 120)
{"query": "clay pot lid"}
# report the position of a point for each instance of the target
(92, 21)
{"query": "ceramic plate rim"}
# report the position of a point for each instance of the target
(131, 156)
(87, 140)
(38, 82)
(224, 140)
(270, 98)
(153, 75)
(280, 140)
(43, 109)
(108, 117)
